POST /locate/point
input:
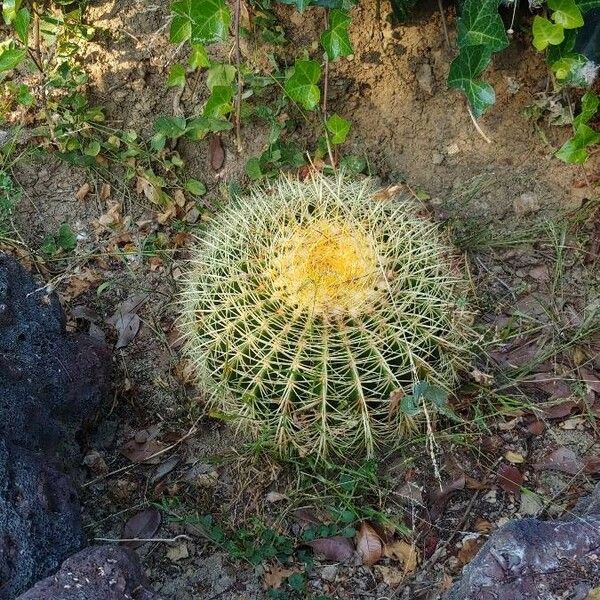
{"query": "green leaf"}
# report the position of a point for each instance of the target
(24, 96)
(220, 75)
(176, 76)
(546, 33)
(585, 5)
(201, 21)
(571, 70)
(199, 57)
(409, 406)
(301, 85)
(92, 149)
(253, 169)
(566, 13)
(195, 187)
(170, 127)
(10, 58)
(338, 127)
(335, 40)
(21, 24)
(465, 69)
(219, 102)
(353, 163)
(589, 107)
(481, 24)
(574, 151)
(9, 10)
(65, 237)
(198, 127)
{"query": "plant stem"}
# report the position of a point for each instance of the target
(238, 60)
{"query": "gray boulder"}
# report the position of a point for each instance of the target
(96, 573)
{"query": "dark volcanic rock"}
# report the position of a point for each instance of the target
(530, 559)
(96, 573)
(51, 384)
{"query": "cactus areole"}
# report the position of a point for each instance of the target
(313, 309)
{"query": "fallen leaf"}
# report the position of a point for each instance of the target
(369, 544)
(216, 152)
(562, 459)
(165, 468)
(275, 575)
(142, 525)
(514, 457)
(275, 497)
(469, 549)
(482, 526)
(510, 479)
(141, 452)
(557, 411)
(390, 575)
(387, 193)
(482, 378)
(403, 552)
(126, 320)
(592, 465)
(552, 385)
(83, 191)
(105, 191)
(337, 548)
(536, 427)
(441, 497)
(177, 553)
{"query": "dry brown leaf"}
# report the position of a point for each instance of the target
(405, 553)
(441, 497)
(216, 152)
(514, 457)
(337, 548)
(469, 549)
(390, 575)
(562, 459)
(274, 576)
(105, 191)
(387, 193)
(369, 544)
(143, 186)
(510, 479)
(83, 191)
(80, 283)
(141, 452)
(142, 525)
(394, 402)
(482, 526)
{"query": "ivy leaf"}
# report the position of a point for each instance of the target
(21, 24)
(199, 57)
(176, 76)
(219, 102)
(589, 107)
(571, 70)
(336, 40)
(301, 85)
(338, 127)
(201, 21)
(198, 127)
(299, 4)
(171, 127)
(566, 13)
(10, 58)
(465, 69)
(574, 151)
(221, 74)
(546, 33)
(481, 24)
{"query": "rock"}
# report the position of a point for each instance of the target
(532, 559)
(40, 524)
(526, 204)
(424, 77)
(51, 383)
(329, 572)
(96, 573)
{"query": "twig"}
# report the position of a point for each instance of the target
(477, 127)
(164, 540)
(238, 61)
(444, 24)
(325, 92)
(191, 432)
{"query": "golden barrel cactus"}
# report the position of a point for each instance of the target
(313, 310)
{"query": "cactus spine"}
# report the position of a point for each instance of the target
(312, 307)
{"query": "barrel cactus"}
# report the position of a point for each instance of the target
(314, 309)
